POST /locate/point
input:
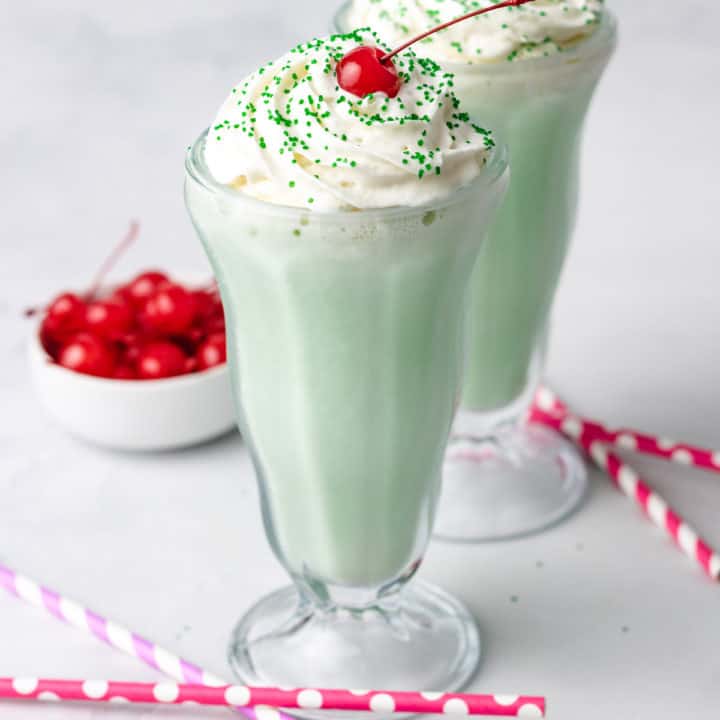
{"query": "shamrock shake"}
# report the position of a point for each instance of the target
(343, 231)
(530, 72)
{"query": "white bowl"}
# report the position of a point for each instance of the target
(134, 414)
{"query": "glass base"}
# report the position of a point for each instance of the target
(518, 481)
(421, 639)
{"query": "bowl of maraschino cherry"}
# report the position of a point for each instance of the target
(138, 365)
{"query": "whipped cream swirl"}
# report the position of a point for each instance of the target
(538, 29)
(289, 135)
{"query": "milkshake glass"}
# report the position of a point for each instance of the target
(346, 345)
(504, 478)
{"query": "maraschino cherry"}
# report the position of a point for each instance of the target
(87, 354)
(212, 352)
(367, 70)
(171, 310)
(63, 317)
(109, 319)
(144, 285)
(364, 71)
(160, 360)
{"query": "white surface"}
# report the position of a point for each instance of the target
(99, 102)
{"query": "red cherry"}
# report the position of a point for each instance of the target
(361, 73)
(212, 352)
(109, 318)
(63, 318)
(196, 335)
(204, 303)
(124, 372)
(215, 325)
(144, 285)
(130, 346)
(160, 360)
(87, 354)
(53, 336)
(67, 312)
(171, 310)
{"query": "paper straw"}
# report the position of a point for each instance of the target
(681, 453)
(636, 488)
(207, 685)
(372, 701)
(111, 633)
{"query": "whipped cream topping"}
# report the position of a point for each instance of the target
(289, 135)
(538, 29)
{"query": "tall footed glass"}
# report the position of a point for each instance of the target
(346, 344)
(503, 477)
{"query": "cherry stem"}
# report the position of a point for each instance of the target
(112, 259)
(105, 268)
(507, 3)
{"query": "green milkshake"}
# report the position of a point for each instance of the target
(530, 72)
(343, 232)
(346, 341)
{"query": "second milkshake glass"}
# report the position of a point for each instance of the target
(504, 478)
(346, 344)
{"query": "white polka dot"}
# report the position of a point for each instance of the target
(359, 692)
(572, 426)
(456, 706)
(529, 710)
(684, 457)
(95, 689)
(716, 459)
(715, 566)
(48, 696)
(212, 680)
(265, 712)
(657, 510)
(28, 590)
(687, 540)
(73, 613)
(24, 685)
(119, 699)
(505, 700)
(598, 453)
(311, 699)
(382, 702)
(166, 692)
(628, 480)
(545, 399)
(120, 638)
(666, 443)
(432, 695)
(237, 695)
(168, 663)
(626, 441)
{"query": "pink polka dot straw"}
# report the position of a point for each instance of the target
(167, 693)
(596, 439)
(198, 686)
(113, 634)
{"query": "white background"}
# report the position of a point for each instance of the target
(99, 101)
